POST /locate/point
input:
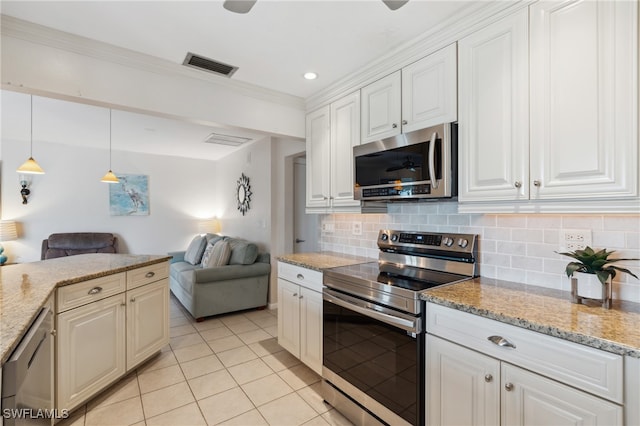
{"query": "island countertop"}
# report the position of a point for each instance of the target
(319, 261)
(547, 311)
(26, 287)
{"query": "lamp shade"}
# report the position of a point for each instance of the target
(30, 166)
(210, 226)
(8, 230)
(109, 178)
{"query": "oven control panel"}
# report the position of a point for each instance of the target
(408, 241)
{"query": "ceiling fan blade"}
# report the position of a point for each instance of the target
(395, 4)
(239, 6)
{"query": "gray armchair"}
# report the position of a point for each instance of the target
(71, 243)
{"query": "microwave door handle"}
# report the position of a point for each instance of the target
(432, 161)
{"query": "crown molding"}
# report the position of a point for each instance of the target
(39, 34)
(468, 20)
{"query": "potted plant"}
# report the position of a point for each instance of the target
(595, 263)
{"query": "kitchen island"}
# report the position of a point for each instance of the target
(26, 287)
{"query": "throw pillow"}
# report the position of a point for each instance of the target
(218, 255)
(194, 252)
(242, 252)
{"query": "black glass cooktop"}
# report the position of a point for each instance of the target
(399, 276)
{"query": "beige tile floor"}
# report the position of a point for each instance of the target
(226, 370)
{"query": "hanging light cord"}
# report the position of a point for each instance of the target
(31, 130)
(109, 139)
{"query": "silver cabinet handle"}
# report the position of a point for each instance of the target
(537, 183)
(133, 299)
(518, 184)
(394, 125)
(404, 122)
(501, 341)
(300, 297)
(123, 304)
(295, 294)
(508, 387)
(95, 290)
(488, 378)
(300, 276)
(149, 274)
(54, 332)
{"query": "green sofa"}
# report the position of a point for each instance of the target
(241, 284)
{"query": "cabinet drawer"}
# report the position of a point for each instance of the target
(299, 275)
(75, 295)
(147, 274)
(589, 369)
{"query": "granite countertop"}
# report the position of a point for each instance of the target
(26, 287)
(319, 261)
(547, 311)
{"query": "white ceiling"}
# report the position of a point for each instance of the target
(273, 45)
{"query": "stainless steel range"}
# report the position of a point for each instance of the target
(373, 324)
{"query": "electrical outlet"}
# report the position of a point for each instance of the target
(328, 227)
(574, 239)
(356, 228)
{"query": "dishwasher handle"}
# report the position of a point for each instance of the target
(15, 370)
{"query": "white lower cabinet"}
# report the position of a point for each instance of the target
(468, 385)
(102, 335)
(300, 313)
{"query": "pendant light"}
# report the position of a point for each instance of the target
(109, 177)
(31, 166)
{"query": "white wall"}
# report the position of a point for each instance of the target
(519, 247)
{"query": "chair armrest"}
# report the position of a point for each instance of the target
(230, 272)
(177, 256)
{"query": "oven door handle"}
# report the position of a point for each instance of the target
(407, 324)
(432, 161)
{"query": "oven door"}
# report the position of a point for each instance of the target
(374, 355)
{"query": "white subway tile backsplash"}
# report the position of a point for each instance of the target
(519, 248)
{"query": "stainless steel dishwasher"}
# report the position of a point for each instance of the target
(27, 377)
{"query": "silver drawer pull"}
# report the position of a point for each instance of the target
(488, 378)
(501, 341)
(149, 274)
(133, 299)
(300, 277)
(508, 387)
(95, 290)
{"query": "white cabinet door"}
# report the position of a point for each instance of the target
(345, 134)
(90, 350)
(381, 114)
(463, 386)
(584, 99)
(318, 158)
(147, 321)
(493, 114)
(429, 95)
(311, 329)
(530, 399)
(289, 316)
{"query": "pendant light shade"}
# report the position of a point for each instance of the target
(109, 177)
(31, 166)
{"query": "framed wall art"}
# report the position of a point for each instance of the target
(130, 196)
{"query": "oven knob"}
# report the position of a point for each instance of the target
(384, 237)
(462, 242)
(394, 237)
(448, 241)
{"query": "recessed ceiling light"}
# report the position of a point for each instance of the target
(310, 75)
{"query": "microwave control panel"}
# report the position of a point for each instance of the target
(397, 191)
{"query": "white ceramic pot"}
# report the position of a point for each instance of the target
(588, 286)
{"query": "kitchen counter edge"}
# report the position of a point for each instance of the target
(319, 261)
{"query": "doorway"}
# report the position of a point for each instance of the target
(305, 226)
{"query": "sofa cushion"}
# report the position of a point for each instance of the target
(195, 250)
(242, 252)
(216, 255)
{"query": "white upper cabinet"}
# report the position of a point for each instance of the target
(381, 114)
(345, 134)
(549, 105)
(332, 132)
(584, 94)
(429, 91)
(419, 95)
(318, 157)
(493, 127)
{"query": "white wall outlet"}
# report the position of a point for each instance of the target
(328, 227)
(574, 239)
(356, 228)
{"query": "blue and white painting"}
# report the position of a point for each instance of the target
(130, 196)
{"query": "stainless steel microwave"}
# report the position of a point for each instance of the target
(411, 166)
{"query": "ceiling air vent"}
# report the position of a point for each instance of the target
(206, 64)
(229, 140)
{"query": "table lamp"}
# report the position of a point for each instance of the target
(8, 232)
